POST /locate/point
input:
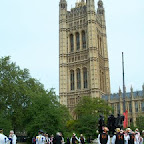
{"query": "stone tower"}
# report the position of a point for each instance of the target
(83, 54)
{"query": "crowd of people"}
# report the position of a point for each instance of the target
(121, 137)
(58, 139)
(7, 140)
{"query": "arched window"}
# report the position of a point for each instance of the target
(136, 106)
(71, 43)
(77, 41)
(72, 79)
(103, 82)
(78, 79)
(83, 39)
(85, 78)
(130, 107)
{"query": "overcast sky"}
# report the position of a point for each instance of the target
(29, 34)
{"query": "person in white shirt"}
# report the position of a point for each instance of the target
(12, 137)
(40, 139)
(104, 138)
(119, 137)
(47, 139)
(3, 139)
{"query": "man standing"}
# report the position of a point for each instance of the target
(82, 139)
(3, 138)
(74, 139)
(58, 138)
(40, 139)
(12, 137)
(104, 138)
(119, 137)
(131, 139)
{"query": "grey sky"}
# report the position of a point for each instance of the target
(29, 34)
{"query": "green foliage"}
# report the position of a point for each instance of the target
(46, 113)
(25, 105)
(140, 122)
(88, 111)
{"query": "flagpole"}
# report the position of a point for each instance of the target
(124, 106)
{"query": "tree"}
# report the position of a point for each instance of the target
(46, 113)
(88, 111)
(14, 92)
(25, 105)
(140, 122)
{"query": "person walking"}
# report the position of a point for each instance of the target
(12, 137)
(40, 139)
(58, 138)
(3, 139)
(82, 139)
(74, 139)
(104, 138)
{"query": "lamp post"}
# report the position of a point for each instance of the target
(124, 106)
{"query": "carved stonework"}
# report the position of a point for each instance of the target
(83, 55)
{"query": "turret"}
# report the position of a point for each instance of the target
(63, 6)
(120, 92)
(131, 90)
(62, 25)
(100, 9)
(63, 51)
(90, 5)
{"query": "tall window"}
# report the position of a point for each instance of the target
(130, 107)
(98, 43)
(83, 40)
(142, 106)
(71, 43)
(118, 108)
(85, 78)
(103, 82)
(78, 79)
(136, 106)
(77, 41)
(72, 79)
(100, 80)
(100, 46)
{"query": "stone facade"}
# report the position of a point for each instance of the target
(134, 104)
(83, 53)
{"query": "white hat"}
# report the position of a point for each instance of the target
(74, 134)
(128, 129)
(106, 129)
(117, 129)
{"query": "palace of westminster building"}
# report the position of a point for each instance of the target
(83, 54)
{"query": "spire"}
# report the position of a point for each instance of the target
(143, 87)
(100, 9)
(131, 89)
(119, 91)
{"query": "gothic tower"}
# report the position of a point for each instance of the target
(83, 54)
